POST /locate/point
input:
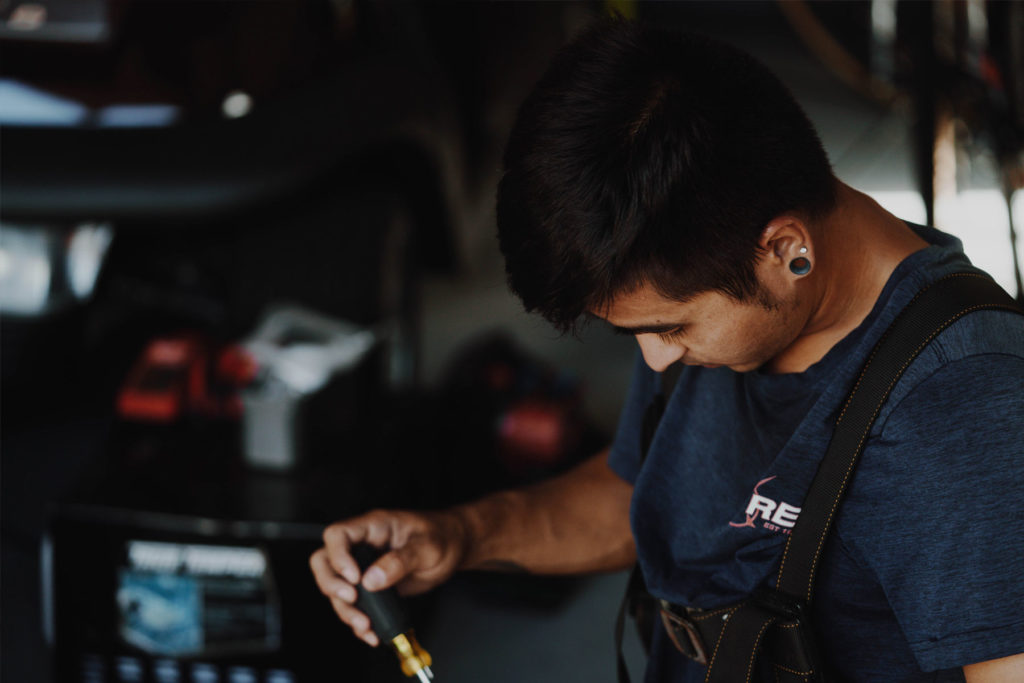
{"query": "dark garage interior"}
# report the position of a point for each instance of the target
(249, 285)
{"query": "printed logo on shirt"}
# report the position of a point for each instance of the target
(773, 515)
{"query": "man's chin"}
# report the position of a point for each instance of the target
(734, 368)
(744, 367)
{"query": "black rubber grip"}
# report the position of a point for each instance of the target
(384, 608)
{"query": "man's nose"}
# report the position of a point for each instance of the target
(657, 353)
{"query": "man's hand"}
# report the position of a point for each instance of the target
(577, 522)
(425, 549)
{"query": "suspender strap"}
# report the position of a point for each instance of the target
(934, 309)
(735, 652)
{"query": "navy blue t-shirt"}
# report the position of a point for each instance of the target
(924, 569)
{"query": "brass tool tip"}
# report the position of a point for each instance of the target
(415, 660)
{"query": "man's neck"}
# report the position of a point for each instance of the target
(856, 251)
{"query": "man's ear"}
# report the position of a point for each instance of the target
(785, 238)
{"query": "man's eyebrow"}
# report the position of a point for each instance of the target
(647, 329)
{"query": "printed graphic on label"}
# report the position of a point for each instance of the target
(773, 515)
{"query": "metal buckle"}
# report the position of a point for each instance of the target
(683, 632)
(781, 604)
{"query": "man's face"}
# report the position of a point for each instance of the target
(710, 329)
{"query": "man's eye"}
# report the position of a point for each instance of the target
(673, 334)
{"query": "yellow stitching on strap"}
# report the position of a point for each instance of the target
(793, 671)
(714, 654)
(753, 655)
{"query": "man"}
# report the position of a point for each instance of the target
(670, 186)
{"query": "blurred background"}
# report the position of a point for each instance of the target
(249, 285)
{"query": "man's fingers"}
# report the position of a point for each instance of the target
(414, 559)
(390, 568)
(338, 540)
(376, 528)
(414, 586)
(356, 620)
(329, 583)
(342, 595)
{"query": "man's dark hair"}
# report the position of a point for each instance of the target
(647, 156)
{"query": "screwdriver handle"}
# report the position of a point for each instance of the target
(384, 608)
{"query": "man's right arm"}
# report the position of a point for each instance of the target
(577, 522)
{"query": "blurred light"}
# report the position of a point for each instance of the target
(205, 673)
(86, 251)
(167, 671)
(978, 218)
(24, 270)
(977, 22)
(1017, 204)
(27, 17)
(137, 115)
(23, 105)
(46, 267)
(237, 104)
(56, 21)
(279, 676)
(883, 37)
(906, 204)
(242, 674)
(883, 18)
(129, 670)
(47, 585)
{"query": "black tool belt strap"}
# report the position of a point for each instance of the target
(731, 637)
(934, 309)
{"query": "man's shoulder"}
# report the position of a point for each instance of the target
(958, 409)
(949, 432)
(983, 333)
(981, 352)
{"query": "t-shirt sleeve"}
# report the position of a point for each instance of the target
(937, 508)
(625, 457)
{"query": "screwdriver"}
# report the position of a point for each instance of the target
(391, 623)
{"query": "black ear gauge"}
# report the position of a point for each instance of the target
(800, 265)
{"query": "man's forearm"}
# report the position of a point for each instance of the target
(577, 522)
